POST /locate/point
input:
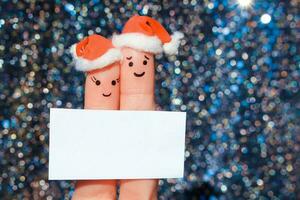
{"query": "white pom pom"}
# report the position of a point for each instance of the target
(171, 48)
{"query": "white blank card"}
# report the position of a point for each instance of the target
(98, 144)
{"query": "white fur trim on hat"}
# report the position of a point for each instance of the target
(83, 64)
(138, 41)
(171, 48)
(73, 51)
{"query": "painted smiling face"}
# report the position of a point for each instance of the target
(137, 72)
(102, 88)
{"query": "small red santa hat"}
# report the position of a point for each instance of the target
(94, 52)
(146, 34)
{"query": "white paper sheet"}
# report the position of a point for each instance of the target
(97, 144)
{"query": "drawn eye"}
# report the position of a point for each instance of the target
(113, 82)
(97, 82)
(145, 62)
(130, 64)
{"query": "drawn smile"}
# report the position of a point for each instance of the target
(106, 95)
(139, 75)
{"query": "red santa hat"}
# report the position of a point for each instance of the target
(146, 34)
(94, 52)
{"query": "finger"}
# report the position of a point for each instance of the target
(95, 189)
(143, 189)
(141, 37)
(137, 93)
(102, 91)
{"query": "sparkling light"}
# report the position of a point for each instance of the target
(245, 3)
(265, 18)
(236, 77)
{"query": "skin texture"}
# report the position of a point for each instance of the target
(104, 96)
(137, 93)
(137, 80)
(95, 190)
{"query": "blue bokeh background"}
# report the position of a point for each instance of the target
(237, 77)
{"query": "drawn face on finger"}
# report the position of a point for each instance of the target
(137, 71)
(98, 83)
(102, 88)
